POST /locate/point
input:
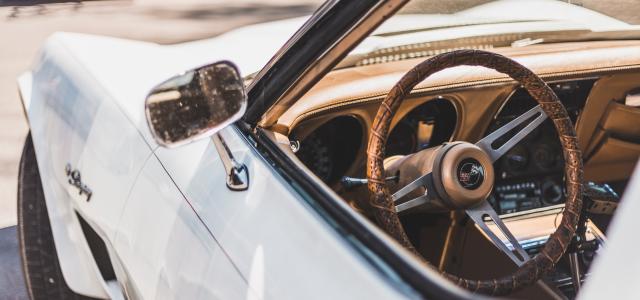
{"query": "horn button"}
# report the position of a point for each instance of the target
(470, 173)
(463, 174)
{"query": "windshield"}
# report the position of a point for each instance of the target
(627, 11)
(425, 27)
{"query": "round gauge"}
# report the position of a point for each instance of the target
(551, 192)
(516, 159)
(315, 152)
(402, 140)
(427, 125)
(543, 157)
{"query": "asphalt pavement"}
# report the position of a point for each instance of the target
(11, 280)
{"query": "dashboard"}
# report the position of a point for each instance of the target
(529, 176)
(331, 123)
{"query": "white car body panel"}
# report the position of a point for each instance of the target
(616, 270)
(256, 228)
(166, 250)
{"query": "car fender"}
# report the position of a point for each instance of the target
(44, 93)
(76, 75)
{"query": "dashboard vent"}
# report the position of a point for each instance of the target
(426, 49)
(416, 54)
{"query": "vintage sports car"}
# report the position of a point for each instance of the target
(383, 152)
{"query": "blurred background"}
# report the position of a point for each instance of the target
(24, 25)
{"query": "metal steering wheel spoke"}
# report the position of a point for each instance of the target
(484, 209)
(425, 181)
(485, 144)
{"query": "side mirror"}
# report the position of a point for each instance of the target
(196, 104)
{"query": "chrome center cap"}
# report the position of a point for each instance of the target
(470, 173)
(463, 174)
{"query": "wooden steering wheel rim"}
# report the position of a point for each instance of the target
(384, 209)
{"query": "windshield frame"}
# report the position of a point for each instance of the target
(323, 41)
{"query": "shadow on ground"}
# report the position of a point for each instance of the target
(11, 279)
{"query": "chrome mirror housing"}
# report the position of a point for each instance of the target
(196, 104)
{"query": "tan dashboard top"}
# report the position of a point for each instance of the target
(550, 61)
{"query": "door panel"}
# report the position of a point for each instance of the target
(280, 245)
(166, 250)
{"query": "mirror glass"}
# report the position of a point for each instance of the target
(196, 104)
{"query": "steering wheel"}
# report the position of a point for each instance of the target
(460, 175)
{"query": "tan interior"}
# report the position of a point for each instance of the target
(608, 131)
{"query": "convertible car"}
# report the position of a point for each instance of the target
(380, 151)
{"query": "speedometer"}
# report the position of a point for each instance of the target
(403, 140)
(430, 124)
(316, 154)
(544, 157)
(517, 159)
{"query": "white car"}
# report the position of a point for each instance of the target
(383, 152)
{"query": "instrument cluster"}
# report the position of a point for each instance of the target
(332, 148)
(530, 175)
